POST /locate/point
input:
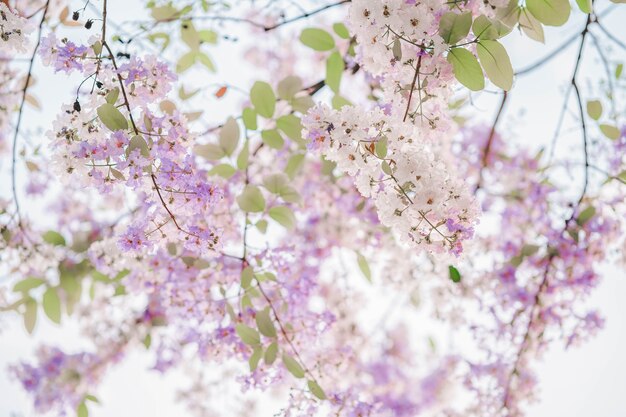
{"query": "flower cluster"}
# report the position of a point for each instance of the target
(413, 189)
(14, 31)
(95, 143)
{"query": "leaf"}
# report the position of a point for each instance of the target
(223, 170)
(364, 266)
(291, 125)
(302, 104)
(585, 6)
(273, 139)
(52, 305)
(229, 136)
(289, 87)
(271, 353)
(466, 68)
(210, 151)
(610, 131)
(265, 324)
(317, 39)
(485, 28)
(251, 200)
(294, 164)
(454, 274)
(509, 15)
(186, 61)
(585, 215)
(82, 410)
(618, 71)
(53, 238)
(138, 142)
(30, 315)
(206, 61)
(275, 182)
(334, 71)
(550, 12)
(256, 356)
(341, 30)
(112, 95)
(454, 26)
(28, 284)
(594, 109)
(249, 118)
(397, 49)
(248, 335)
(111, 117)
(246, 277)
(316, 390)
(293, 366)
(263, 99)
(496, 62)
(164, 12)
(339, 101)
(531, 26)
(242, 159)
(284, 216)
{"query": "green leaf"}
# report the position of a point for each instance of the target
(454, 274)
(339, 101)
(291, 125)
(229, 136)
(485, 28)
(82, 410)
(186, 61)
(289, 86)
(111, 117)
(294, 164)
(30, 315)
(271, 353)
(53, 238)
(164, 12)
(275, 183)
(397, 49)
(261, 225)
(249, 118)
(594, 109)
(585, 215)
(364, 266)
(273, 139)
(223, 170)
(263, 99)
(293, 366)
(112, 95)
(531, 26)
(52, 305)
(302, 104)
(246, 277)
(265, 324)
(610, 131)
(509, 15)
(284, 216)
(496, 63)
(550, 12)
(317, 39)
(206, 61)
(256, 356)
(585, 6)
(466, 68)
(210, 151)
(28, 284)
(316, 390)
(248, 335)
(454, 26)
(618, 71)
(341, 30)
(242, 159)
(334, 71)
(138, 142)
(251, 199)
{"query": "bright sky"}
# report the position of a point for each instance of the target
(581, 382)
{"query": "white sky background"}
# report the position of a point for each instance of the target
(581, 382)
